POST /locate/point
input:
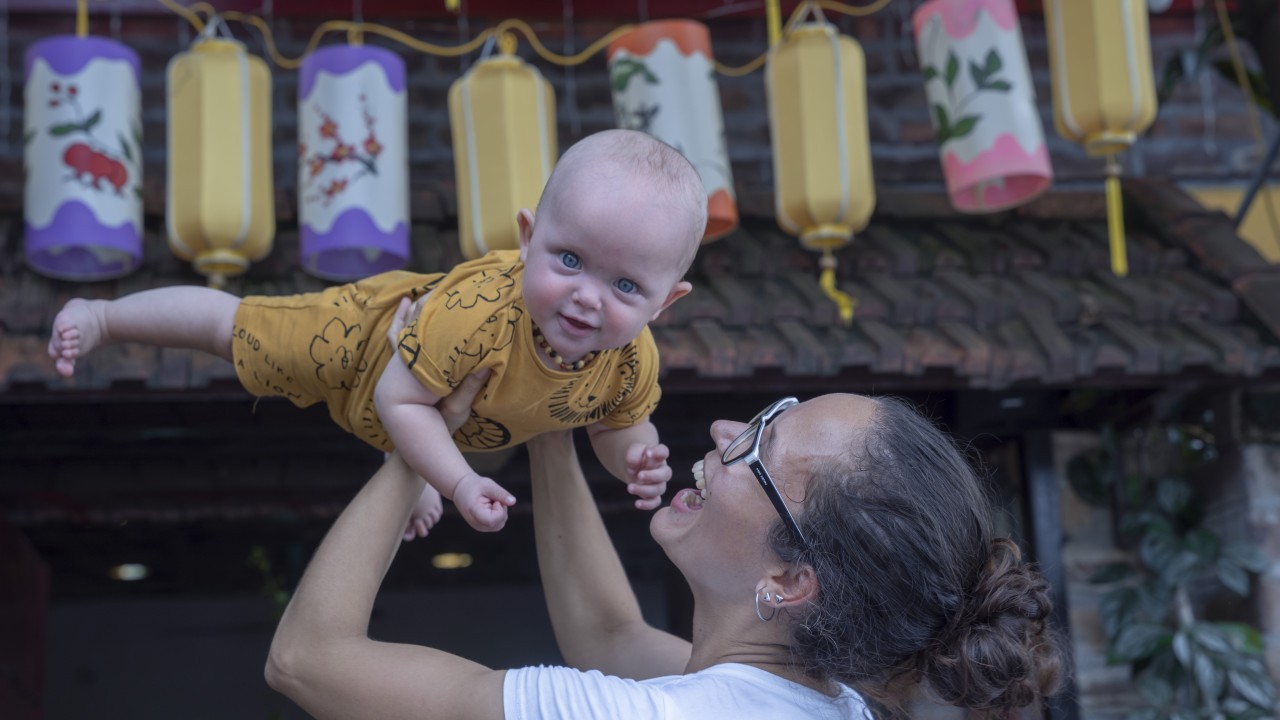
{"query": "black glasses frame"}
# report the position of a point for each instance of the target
(752, 458)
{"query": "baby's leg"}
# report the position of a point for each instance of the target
(178, 317)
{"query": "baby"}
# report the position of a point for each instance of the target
(560, 326)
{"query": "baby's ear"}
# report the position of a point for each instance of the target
(524, 219)
(681, 289)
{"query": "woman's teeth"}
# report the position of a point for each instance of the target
(700, 481)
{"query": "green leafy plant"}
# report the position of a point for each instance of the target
(1184, 667)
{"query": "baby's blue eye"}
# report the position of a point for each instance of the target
(626, 286)
(570, 260)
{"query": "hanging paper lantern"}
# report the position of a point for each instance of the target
(1103, 87)
(221, 209)
(664, 83)
(82, 205)
(353, 162)
(502, 117)
(815, 82)
(982, 102)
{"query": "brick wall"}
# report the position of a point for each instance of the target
(1201, 134)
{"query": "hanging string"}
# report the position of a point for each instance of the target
(192, 14)
(1242, 79)
(355, 34)
(845, 303)
(82, 18)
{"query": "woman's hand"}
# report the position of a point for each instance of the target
(456, 406)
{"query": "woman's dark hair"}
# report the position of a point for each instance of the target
(911, 584)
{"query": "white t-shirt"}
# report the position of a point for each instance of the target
(731, 691)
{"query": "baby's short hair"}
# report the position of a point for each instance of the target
(674, 179)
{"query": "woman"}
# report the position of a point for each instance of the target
(832, 545)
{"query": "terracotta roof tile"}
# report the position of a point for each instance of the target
(943, 299)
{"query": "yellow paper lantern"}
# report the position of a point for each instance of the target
(503, 122)
(815, 80)
(221, 208)
(1103, 86)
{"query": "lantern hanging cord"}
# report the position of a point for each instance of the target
(82, 18)
(1242, 79)
(1115, 219)
(845, 303)
(356, 30)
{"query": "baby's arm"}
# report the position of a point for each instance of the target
(407, 410)
(634, 456)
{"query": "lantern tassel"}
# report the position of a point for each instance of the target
(82, 18)
(827, 281)
(1115, 220)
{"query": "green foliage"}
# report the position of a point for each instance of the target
(1182, 666)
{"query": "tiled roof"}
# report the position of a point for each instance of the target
(944, 301)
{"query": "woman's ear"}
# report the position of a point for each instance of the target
(796, 585)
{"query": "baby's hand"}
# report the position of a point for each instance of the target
(482, 502)
(647, 474)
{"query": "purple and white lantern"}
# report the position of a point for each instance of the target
(83, 158)
(353, 162)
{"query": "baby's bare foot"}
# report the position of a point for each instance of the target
(77, 330)
(426, 513)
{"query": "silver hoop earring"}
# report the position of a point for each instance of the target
(772, 611)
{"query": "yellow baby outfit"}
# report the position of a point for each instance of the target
(331, 346)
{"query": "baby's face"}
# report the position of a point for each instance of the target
(597, 271)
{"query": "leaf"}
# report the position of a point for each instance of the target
(1155, 686)
(1111, 572)
(1208, 636)
(953, 69)
(1139, 640)
(1087, 475)
(964, 126)
(977, 75)
(1001, 85)
(1116, 610)
(92, 120)
(64, 129)
(993, 62)
(1210, 676)
(941, 123)
(930, 73)
(1233, 576)
(1172, 495)
(1182, 648)
(1244, 638)
(27, 136)
(1255, 687)
(124, 147)
(1247, 556)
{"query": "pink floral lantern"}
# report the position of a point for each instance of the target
(353, 162)
(982, 103)
(83, 158)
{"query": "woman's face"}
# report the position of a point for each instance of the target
(720, 540)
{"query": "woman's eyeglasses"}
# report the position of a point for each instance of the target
(747, 448)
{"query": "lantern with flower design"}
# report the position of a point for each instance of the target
(83, 158)
(502, 118)
(664, 83)
(983, 103)
(353, 162)
(1103, 87)
(221, 207)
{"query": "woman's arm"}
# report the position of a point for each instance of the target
(593, 609)
(322, 656)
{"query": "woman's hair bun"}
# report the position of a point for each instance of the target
(998, 651)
